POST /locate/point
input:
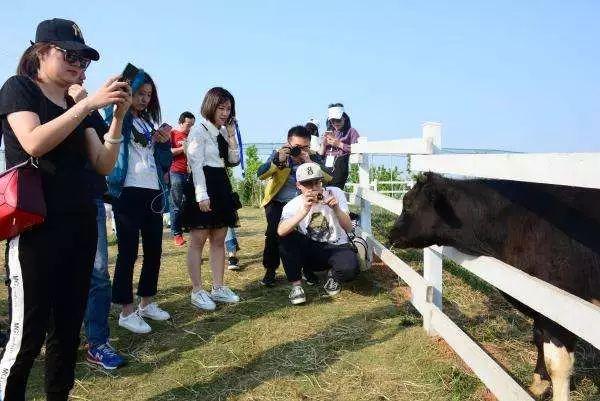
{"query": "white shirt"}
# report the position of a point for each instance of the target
(320, 224)
(141, 166)
(203, 150)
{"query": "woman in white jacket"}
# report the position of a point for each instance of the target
(210, 207)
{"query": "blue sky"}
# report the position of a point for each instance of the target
(512, 75)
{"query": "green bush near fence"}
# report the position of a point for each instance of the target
(250, 188)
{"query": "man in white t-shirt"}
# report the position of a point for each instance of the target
(313, 234)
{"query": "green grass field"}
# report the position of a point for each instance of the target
(365, 344)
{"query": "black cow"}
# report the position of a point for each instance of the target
(551, 232)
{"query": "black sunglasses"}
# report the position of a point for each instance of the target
(73, 58)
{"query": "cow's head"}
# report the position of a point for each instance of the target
(427, 214)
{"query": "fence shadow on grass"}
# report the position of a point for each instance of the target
(297, 359)
(194, 328)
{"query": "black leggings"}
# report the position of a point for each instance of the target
(273, 211)
(134, 215)
(49, 269)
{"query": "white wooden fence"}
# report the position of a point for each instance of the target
(572, 169)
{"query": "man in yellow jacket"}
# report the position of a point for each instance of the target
(280, 171)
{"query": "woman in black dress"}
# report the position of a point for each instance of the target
(210, 208)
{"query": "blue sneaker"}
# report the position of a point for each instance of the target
(105, 356)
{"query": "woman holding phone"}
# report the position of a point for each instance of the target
(137, 185)
(49, 265)
(337, 140)
(210, 207)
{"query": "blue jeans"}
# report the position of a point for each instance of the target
(100, 295)
(231, 242)
(175, 198)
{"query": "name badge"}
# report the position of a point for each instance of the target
(329, 161)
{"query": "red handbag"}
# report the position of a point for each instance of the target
(22, 202)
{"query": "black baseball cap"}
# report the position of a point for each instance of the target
(65, 34)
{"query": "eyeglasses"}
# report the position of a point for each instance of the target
(73, 58)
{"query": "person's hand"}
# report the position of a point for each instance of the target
(112, 92)
(230, 126)
(309, 199)
(204, 205)
(120, 109)
(332, 141)
(283, 154)
(330, 200)
(77, 92)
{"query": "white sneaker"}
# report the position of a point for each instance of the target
(297, 296)
(224, 294)
(201, 299)
(134, 323)
(152, 311)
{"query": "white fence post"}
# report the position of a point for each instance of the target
(432, 273)
(432, 262)
(364, 184)
(433, 132)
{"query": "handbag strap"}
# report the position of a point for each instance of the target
(26, 163)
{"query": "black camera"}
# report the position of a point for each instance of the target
(319, 197)
(295, 151)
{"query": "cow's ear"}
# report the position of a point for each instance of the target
(445, 210)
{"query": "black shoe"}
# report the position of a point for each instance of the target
(233, 263)
(332, 286)
(310, 278)
(269, 279)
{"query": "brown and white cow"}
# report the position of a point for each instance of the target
(548, 231)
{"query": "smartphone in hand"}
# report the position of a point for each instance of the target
(129, 73)
(165, 127)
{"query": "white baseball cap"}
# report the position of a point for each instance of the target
(335, 113)
(308, 172)
(314, 121)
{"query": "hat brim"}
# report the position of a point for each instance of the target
(310, 179)
(335, 115)
(81, 48)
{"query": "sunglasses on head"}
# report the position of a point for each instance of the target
(73, 58)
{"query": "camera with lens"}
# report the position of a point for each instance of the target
(320, 197)
(295, 151)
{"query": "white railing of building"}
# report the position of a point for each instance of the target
(572, 169)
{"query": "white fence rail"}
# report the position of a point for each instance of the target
(561, 169)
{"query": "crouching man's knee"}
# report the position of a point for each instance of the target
(345, 266)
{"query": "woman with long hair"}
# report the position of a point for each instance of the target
(137, 186)
(210, 207)
(49, 265)
(337, 140)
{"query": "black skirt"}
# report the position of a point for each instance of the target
(223, 211)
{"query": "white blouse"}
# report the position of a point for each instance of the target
(203, 150)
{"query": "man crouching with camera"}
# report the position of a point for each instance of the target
(313, 234)
(279, 172)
